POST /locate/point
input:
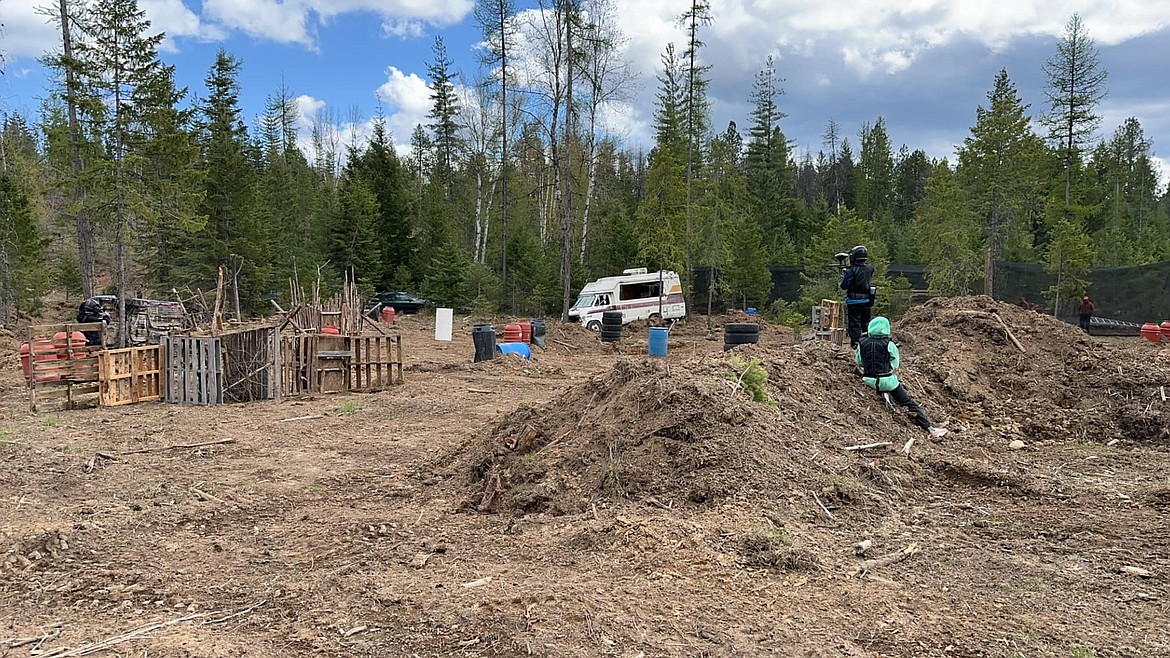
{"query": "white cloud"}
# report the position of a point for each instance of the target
(408, 101)
(29, 33)
(296, 21)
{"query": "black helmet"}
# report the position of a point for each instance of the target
(858, 254)
(92, 305)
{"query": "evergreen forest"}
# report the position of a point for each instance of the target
(512, 195)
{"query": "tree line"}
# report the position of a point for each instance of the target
(513, 193)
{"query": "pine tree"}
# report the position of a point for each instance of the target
(495, 18)
(444, 109)
(697, 110)
(23, 277)
(999, 166)
(1075, 86)
(662, 211)
(381, 169)
(949, 235)
(354, 242)
(875, 173)
(771, 180)
(121, 83)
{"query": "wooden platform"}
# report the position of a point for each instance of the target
(129, 376)
(192, 371)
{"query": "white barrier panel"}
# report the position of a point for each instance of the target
(444, 318)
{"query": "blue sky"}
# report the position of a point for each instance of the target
(924, 65)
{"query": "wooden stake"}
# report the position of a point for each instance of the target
(909, 444)
(822, 506)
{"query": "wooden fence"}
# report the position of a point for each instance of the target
(322, 363)
(251, 359)
(63, 371)
(193, 370)
(129, 376)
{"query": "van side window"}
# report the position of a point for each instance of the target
(639, 290)
(602, 300)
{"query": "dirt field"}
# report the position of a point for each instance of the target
(594, 502)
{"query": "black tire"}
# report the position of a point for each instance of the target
(593, 325)
(611, 333)
(741, 328)
(611, 316)
(740, 339)
(610, 327)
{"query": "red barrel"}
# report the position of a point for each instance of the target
(526, 332)
(1152, 332)
(332, 331)
(513, 333)
(42, 350)
(76, 341)
(1165, 331)
(388, 314)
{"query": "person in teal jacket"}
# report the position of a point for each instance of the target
(878, 358)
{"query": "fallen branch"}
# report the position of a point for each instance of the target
(234, 615)
(309, 417)
(1162, 390)
(179, 446)
(868, 446)
(1010, 334)
(480, 390)
(562, 343)
(206, 496)
(885, 560)
(110, 642)
(822, 506)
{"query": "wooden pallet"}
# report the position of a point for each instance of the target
(377, 362)
(321, 363)
(192, 371)
(68, 377)
(129, 376)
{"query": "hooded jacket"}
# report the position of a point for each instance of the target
(878, 355)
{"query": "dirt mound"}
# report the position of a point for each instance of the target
(686, 433)
(1063, 385)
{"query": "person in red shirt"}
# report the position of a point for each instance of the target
(1085, 310)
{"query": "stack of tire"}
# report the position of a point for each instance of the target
(740, 333)
(611, 326)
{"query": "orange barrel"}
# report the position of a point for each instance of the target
(332, 331)
(42, 350)
(1165, 331)
(388, 314)
(526, 332)
(513, 333)
(1152, 332)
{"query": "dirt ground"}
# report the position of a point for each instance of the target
(596, 502)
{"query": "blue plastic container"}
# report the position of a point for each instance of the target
(658, 336)
(521, 349)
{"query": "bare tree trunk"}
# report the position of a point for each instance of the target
(479, 230)
(567, 200)
(86, 239)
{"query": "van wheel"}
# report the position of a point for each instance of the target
(655, 320)
(593, 325)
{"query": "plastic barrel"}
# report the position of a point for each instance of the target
(525, 331)
(1165, 327)
(1152, 332)
(388, 314)
(521, 349)
(331, 331)
(484, 338)
(512, 333)
(539, 331)
(658, 336)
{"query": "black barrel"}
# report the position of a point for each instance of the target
(538, 332)
(740, 333)
(484, 338)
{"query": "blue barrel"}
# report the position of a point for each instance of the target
(658, 336)
(521, 349)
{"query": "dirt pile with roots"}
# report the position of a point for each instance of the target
(685, 433)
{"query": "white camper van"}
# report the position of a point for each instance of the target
(638, 294)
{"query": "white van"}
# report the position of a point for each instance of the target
(638, 294)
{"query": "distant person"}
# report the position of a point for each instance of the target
(878, 357)
(1025, 305)
(856, 281)
(1085, 310)
(91, 311)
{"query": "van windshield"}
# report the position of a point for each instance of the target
(584, 301)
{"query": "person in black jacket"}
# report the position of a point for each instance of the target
(91, 311)
(856, 282)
